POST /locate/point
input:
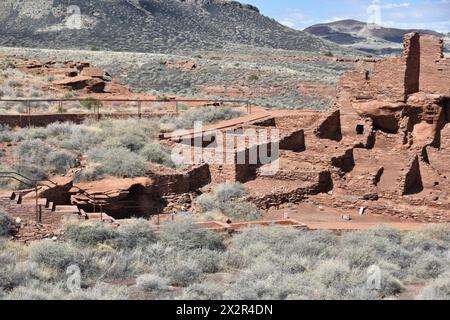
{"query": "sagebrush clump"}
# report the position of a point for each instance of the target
(227, 199)
(184, 261)
(5, 224)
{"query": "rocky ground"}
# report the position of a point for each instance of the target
(273, 78)
(148, 26)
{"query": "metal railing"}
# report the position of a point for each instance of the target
(26, 181)
(93, 198)
(95, 104)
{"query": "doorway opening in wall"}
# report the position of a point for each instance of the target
(446, 106)
(360, 129)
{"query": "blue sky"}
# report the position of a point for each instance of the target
(406, 14)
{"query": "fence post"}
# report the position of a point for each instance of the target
(36, 202)
(40, 214)
(139, 110)
(28, 105)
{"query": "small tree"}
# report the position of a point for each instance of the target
(91, 104)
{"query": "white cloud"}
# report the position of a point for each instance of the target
(389, 6)
(296, 19)
(287, 23)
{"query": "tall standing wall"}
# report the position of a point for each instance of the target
(434, 69)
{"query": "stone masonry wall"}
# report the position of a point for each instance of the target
(412, 56)
(42, 120)
(434, 69)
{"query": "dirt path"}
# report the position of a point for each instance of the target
(402, 226)
(323, 218)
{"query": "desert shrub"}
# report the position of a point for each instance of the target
(135, 233)
(180, 270)
(36, 159)
(60, 161)
(148, 256)
(35, 92)
(13, 275)
(438, 289)
(156, 153)
(128, 141)
(105, 263)
(5, 224)
(33, 149)
(333, 275)
(33, 133)
(391, 234)
(207, 202)
(13, 272)
(9, 184)
(289, 264)
(438, 232)
(83, 138)
(313, 245)
(252, 243)
(253, 77)
(184, 234)
(229, 191)
(6, 135)
(44, 291)
(101, 291)
(151, 283)
(240, 210)
(53, 255)
(273, 237)
(263, 282)
(428, 266)
(118, 162)
(226, 199)
(37, 290)
(208, 261)
(265, 243)
(5, 92)
(60, 130)
(92, 172)
(89, 234)
(333, 279)
(417, 242)
(390, 286)
(203, 291)
(13, 83)
(144, 130)
(366, 248)
(329, 279)
(30, 158)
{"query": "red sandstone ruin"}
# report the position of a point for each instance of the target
(384, 147)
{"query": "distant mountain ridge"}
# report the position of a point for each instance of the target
(148, 26)
(361, 36)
